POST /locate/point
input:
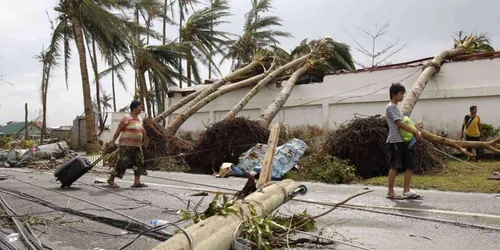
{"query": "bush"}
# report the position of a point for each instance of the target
(5, 141)
(489, 132)
(325, 168)
(28, 144)
(305, 132)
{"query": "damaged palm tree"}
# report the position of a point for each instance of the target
(326, 54)
(179, 120)
(463, 45)
(262, 79)
(244, 101)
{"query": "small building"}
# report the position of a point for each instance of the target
(17, 130)
(61, 133)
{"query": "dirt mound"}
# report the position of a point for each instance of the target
(223, 142)
(363, 143)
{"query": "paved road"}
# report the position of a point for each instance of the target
(383, 227)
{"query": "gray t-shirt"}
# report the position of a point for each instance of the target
(392, 114)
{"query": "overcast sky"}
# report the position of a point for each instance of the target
(428, 25)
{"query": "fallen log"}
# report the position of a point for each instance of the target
(216, 232)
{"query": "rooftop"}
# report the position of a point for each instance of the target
(12, 128)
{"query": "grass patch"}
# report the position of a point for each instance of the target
(457, 176)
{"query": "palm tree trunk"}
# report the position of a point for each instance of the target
(181, 17)
(97, 87)
(92, 145)
(153, 103)
(45, 87)
(26, 130)
(280, 100)
(163, 100)
(180, 119)
(164, 41)
(159, 101)
(113, 81)
(188, 68)
(432, 68)
(244, 101)
(214, 86)
(210, 55)
(144, 92)
(176, 106)
(202, 93)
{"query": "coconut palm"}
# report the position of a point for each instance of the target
(257, 34)
(462, 45)
(48, 58)
(184, 6)
(325, 55)
(330, 55)
(200, 34)
(78, 18)
(106, 102)
(162, 61)
(481, 44)
(244, 101)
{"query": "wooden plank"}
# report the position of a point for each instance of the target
(267, 164)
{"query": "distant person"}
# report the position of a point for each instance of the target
(130, 152)
(472, 126)
(401, 157)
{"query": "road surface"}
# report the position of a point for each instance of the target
(466, 220)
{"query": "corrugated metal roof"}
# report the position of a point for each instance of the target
(12, 128)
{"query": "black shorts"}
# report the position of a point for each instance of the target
(401, 156)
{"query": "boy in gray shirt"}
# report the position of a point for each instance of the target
(401, 158)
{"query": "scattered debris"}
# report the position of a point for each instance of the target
(494, 176)
(285, 158)
(250, 187)
(200, 194)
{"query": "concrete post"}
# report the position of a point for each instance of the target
(216, 232)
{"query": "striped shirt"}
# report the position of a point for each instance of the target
(132, 134)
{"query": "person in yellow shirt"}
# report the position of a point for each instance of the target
(472, 127)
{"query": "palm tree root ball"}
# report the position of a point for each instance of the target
(363, 143)
(223, 142)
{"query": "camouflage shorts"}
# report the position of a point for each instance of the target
(129, 156)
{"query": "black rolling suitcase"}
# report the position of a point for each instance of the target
(72, 170)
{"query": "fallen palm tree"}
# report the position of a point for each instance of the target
(194, 98)
(173, 126)
(244, 101)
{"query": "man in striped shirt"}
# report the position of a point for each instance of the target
(133, 136)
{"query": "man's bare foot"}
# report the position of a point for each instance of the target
(394, 196)
(112, 184)
(139, 185)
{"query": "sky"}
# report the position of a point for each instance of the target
(427, 26)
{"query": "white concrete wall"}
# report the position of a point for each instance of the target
(442, 106)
